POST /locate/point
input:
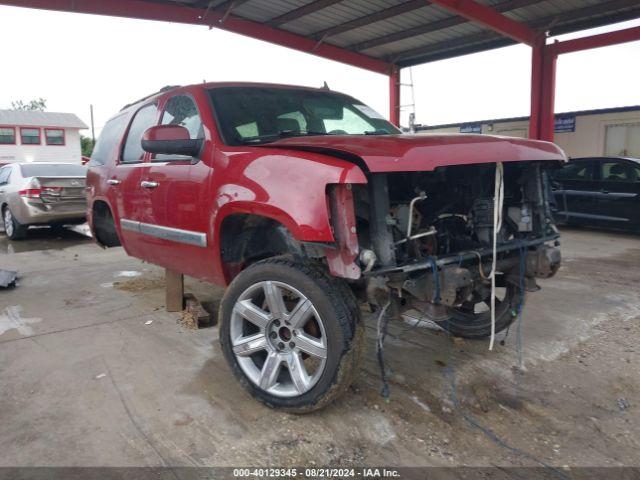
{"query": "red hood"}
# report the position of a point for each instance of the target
(412, 153)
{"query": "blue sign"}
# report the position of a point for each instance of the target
(471, 128)
(565, 124)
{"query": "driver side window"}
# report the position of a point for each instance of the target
(181, 110)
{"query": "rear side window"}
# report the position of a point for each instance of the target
(145, 117)
(4, 175)
(109, 139)
(575, 171)
(618, 171)
(53, 170)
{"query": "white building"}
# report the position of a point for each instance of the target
(27, 136)
(610, 132)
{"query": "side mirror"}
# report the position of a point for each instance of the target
(170, 140)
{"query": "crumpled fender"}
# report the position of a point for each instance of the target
(289, 189)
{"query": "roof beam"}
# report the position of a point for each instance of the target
(580, 19)
(307, 9)
(491, 18)
(597, 41)
(477, 42)
(198, 16)
(504, 6)
(370, 18)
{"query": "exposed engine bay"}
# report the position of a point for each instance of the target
(427, 241)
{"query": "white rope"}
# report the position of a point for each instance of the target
(498, 200)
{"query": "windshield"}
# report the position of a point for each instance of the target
(254, 115)
(53, 170)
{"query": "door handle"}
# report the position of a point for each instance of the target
(604, 191)
(113, 181)
(148, 184)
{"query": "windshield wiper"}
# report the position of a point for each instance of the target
(376, 132)
(276, 136)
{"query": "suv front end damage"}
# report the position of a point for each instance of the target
(426, 242)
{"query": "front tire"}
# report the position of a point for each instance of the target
(291, 334)
(12, 228)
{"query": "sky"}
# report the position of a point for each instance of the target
(74, 60)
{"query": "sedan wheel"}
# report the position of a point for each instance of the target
(13, 228)
(8, 222)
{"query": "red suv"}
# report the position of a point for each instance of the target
(308, 203)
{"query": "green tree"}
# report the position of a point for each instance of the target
(36, 105)
(86, 145)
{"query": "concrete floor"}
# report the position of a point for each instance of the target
(86, 380)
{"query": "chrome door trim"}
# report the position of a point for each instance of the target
(596, 193)
(593, 216)
(130, 225)
(166, 233)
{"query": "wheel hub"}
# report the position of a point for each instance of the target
(281, 337)
(8, 222)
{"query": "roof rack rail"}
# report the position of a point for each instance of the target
(162, 90)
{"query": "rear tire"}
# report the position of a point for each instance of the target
(265, 350)
(12, 228)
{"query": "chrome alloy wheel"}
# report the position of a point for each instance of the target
(8, 222)
(278, 339)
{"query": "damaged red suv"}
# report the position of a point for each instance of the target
(307, 203)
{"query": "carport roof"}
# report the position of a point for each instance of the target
(409, 32)
(374, 34)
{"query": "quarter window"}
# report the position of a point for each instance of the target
(54, 136)
(7, 136)
(108, 140)
(145, 117)
(30, 136)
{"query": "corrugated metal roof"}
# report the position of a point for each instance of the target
(374, 33)
(409, 32)
(40, 119)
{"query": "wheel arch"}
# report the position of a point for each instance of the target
(102, 224)
(245, 237)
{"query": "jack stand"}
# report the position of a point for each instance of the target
(174, 291)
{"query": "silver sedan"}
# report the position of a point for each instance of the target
(41, 194)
